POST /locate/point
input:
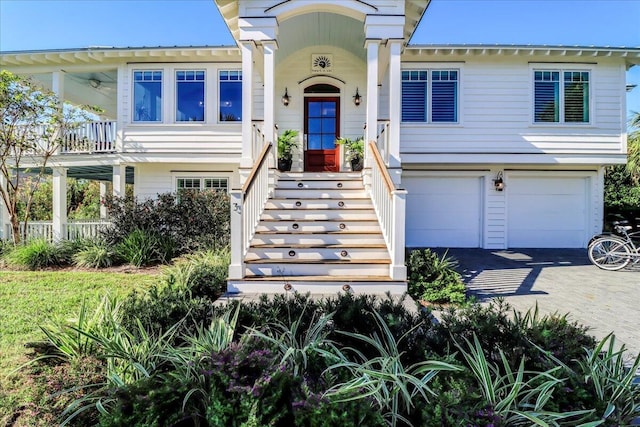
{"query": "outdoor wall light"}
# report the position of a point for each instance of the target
(357, 98)
(95, 83)
(498, 183)
(286, 98)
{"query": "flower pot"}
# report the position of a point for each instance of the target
(284, 165)
(357, 164)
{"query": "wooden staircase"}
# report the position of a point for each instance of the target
(318, 233)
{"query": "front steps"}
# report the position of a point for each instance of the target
(319, 234)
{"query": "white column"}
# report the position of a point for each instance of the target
(246, 161)
(395, 94)
(372, 47)
(5, 223)
(269, 48)
(59, 204)
(236, 266)
(119, 180)
(103, 195)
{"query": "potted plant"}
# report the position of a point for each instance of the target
(354, 150)
(287, 142)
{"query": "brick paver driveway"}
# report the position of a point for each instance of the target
(559, 280)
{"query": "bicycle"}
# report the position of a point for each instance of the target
(615, 251)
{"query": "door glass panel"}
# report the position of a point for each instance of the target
(329, 125)
(329, 109)
(314, 142)
(315, 109)
(315, 125)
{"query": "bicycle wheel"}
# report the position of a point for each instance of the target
(609, 253)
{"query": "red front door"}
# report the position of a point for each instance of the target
(321, 127)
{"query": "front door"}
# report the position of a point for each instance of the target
(321, 128)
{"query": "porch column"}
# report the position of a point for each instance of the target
(5, 231)
(103, 195)
(59, 204)
(373, 47)
(395, 94)
(236, 266)
(119, 180)
(246, 161)
(269, 47)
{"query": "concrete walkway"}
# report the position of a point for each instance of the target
(558, 280)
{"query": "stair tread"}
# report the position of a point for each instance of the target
(318, 220)
(350, 278)
(318, 245)
(317, 261)
(317, 233)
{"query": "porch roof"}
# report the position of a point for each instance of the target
(95, 173)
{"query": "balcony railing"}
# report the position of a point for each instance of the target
(92, 137)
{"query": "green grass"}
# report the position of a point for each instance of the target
(31, 298)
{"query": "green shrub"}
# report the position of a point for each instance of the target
(35, 255)
(142, 248)
(433, 278)
(203, 273)
(68, 248)
(194, 221)
(96, 254)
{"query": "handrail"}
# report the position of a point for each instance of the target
(256, 167)
(381, 166)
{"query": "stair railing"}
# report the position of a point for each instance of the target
(389, 204)
(247, 204)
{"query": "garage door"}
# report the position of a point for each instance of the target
(443, 211)
(549, 212)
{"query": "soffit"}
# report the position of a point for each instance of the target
(631, 56)
(88, 57)
(320, 29)
(414, 9)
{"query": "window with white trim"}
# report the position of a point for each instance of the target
(561, 101)
(147, 96)
(230, 95)
(190, 90)
(430, 96)
(201, 183)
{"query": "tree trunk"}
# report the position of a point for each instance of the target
(15, 228)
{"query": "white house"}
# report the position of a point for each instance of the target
(479, 146)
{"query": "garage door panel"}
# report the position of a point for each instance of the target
(547, 212)
(443, 211)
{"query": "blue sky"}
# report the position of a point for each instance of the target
(52, 24)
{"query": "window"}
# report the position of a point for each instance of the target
(190, 96)
(201, 183)
(230, 96)
(561, 103)
(430, 96)
(147, 96)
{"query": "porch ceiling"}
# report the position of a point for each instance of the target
(98, 173)
(95, 88)
(319, 29)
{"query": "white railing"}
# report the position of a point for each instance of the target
(92, 137)
(257, 137)
(389, 203)
(383, 140)
(72, 230)
(84, 229)
(247, 205)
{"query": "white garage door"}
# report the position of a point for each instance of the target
(443, 211)
(549, 212)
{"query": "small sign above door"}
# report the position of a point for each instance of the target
(321, 63)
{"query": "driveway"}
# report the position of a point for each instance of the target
(559, 280)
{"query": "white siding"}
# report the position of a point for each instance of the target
(495, 110)
(152, 179)
(291, 72)
(210, 136)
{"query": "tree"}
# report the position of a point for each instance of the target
(633, 147)
(33, 124)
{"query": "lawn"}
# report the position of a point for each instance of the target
(30, 298)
